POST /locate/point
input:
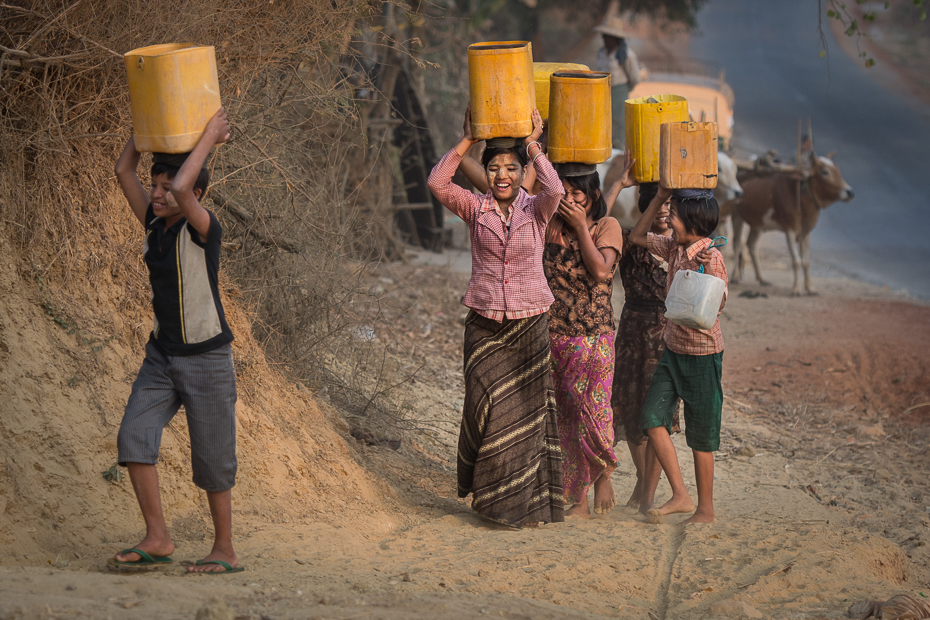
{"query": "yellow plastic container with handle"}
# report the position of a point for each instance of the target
(688, 155)
(542, 71)
(644, 121)
(579, 117)
(503, 93)
(174, 92)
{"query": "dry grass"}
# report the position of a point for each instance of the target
(301, 188)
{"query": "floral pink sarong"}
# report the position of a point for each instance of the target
(582, 374)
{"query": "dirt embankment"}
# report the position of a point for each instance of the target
(63, 390)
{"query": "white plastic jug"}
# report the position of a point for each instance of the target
(694, 299)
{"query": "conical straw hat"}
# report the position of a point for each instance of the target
(612, 26)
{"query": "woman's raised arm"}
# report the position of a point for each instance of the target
(457, 199)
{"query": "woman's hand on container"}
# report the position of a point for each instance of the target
(467, 139)
(574, 214)
(626, 180)
(537, 128)
(626, 177)
(219, 126)
(664, 193)
(466, 128)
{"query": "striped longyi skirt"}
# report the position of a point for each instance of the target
(509, 457)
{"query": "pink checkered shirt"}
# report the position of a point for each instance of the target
(507, 278)
(687, 340)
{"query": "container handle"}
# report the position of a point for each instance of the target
(713, 244)
(141, 62)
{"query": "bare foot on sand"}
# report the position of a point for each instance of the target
(701, 516)
(672, 506)
(579, 510)
(604, 497)
(636, 498)
(157, 547)
(227, 556)
(646, 507)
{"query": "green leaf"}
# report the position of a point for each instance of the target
(887, 4)
(923, 16)
(869, 63)
(823, 53)
(831, 13)
(853, 28)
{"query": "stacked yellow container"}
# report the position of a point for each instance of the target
(503, 92)
(541, 74)
(580, 118)
(174, 92)
(644, 119)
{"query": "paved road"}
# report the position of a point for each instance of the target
(770, 51)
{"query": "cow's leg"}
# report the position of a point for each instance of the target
(792, 238)
(737, 223)
(804, 245)
(753, 244)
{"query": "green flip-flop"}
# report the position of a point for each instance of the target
(145, 560)
(228, 568)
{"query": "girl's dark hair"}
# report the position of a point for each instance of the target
(518, 151)
(202, 182)
(647, 191)
(698, 215)
(590, 184)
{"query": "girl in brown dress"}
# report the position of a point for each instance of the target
(582, 247)
(639, 344)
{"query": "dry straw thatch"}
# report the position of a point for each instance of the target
(296, 188)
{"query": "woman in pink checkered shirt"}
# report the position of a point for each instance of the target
(509, 457)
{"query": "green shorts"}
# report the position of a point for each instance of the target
(695, 379)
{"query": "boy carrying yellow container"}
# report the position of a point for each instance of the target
(188, 359)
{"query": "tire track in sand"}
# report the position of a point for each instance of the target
(676, 539)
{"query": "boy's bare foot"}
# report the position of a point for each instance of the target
(701, 516)
(224, 556)
(579, 510)
(673, 506)
(636, 498)
(153, 545)
(604, 497)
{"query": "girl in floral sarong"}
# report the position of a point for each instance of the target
(582, 249)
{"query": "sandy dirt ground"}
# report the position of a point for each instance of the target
(822, 491)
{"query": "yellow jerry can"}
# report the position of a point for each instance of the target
(541, 73)
(503, 93)
(643, 122)
(579, 117)
(688, 155)
(174, 92)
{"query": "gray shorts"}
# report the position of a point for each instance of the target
(206, 385)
